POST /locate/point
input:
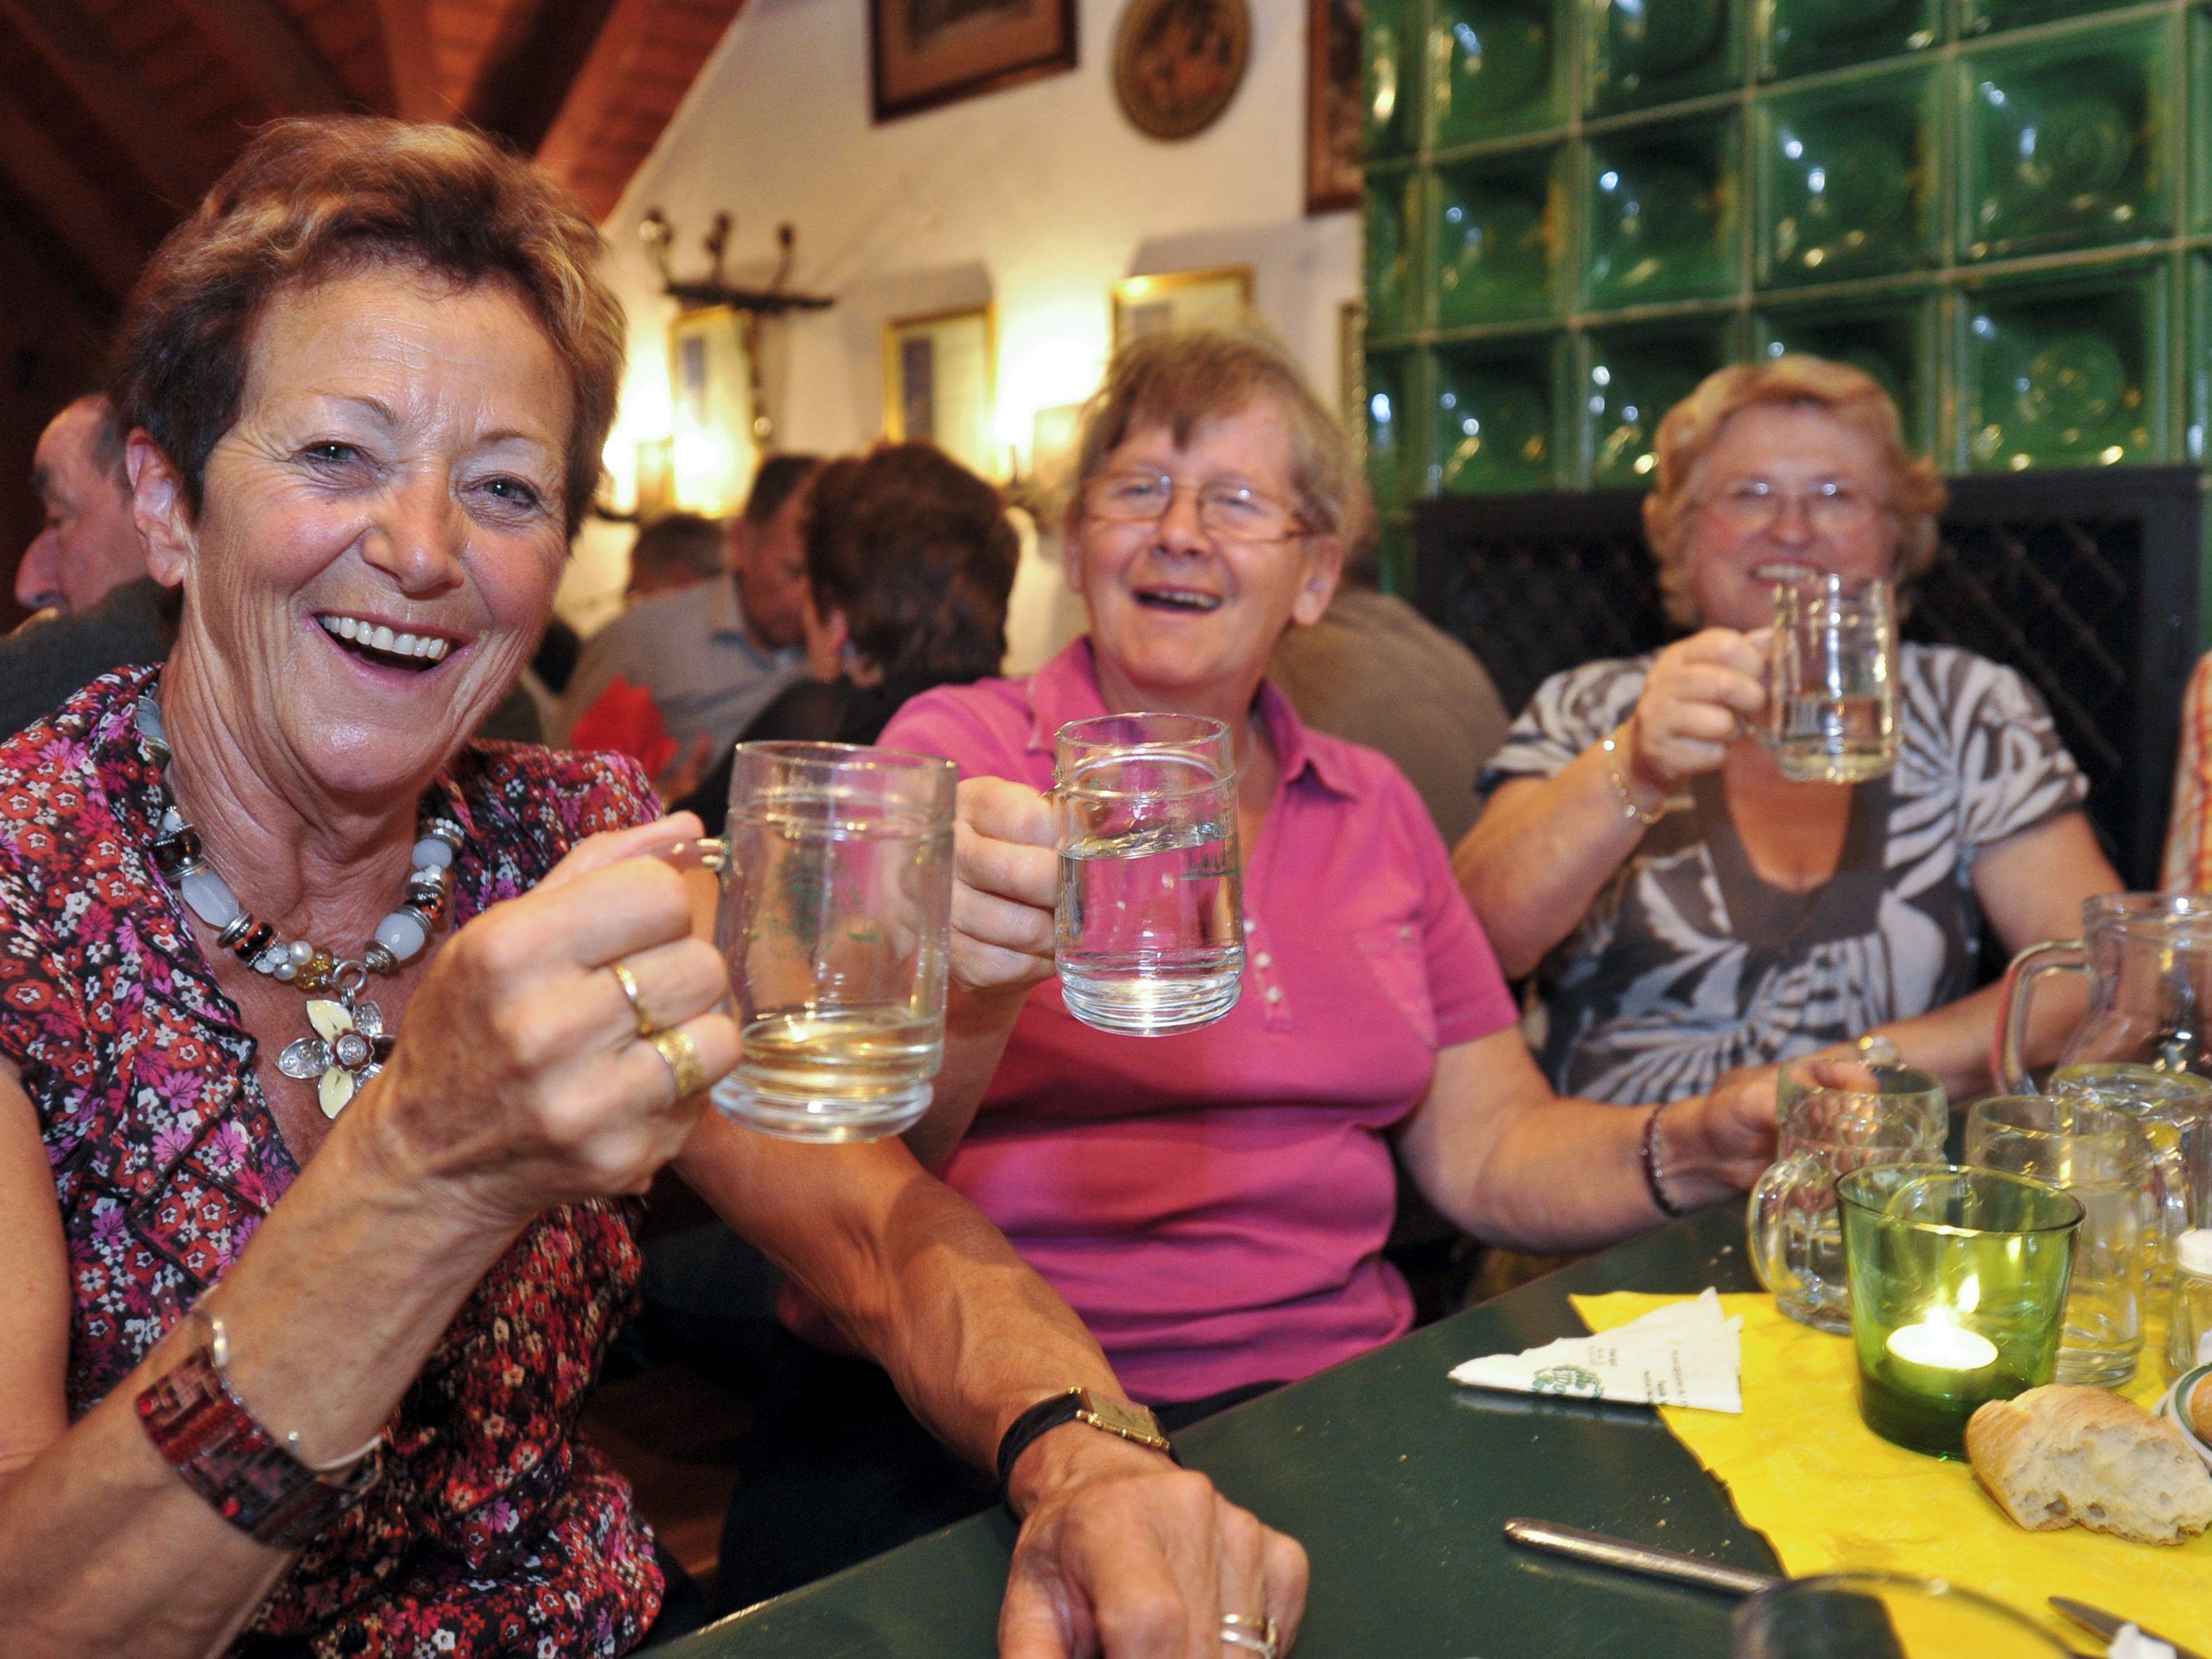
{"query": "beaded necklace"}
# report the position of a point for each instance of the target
(351, 1039)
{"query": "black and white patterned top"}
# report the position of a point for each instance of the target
(1688, 964)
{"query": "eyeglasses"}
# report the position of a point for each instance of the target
(1235, 512)
(1833, 506)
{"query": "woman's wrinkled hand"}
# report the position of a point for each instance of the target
(1737, 1124)
(520, 1081)
(1127, 1556)
(1006, 878)
(1695, 698)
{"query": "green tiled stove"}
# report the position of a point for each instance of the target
(1575, 209)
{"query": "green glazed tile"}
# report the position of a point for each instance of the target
(1393, 216)
(1631, 378)
(1643, 52)
(1497, 240)
(2068, 142)
(1661, 205)
(1389, 61)
(1848, 180)
(1982, 16)
(1796, 36)
(1495, 67)
(1388, 433)
(1493, 418)
(2065, 372)
(1892, 340)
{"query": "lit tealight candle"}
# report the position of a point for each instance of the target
(1940, 1345)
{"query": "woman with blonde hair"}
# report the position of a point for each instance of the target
(1696, 914)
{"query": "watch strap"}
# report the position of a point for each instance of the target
(248, 1476)
(1114, 1417)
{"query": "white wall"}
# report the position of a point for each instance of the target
(1037, 199)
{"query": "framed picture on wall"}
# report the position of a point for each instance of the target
(1352, 371)
(710, 450)
(922, 53)
(939, 376)
(1331, 105)
(1177, 300)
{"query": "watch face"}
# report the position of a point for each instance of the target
(1116, 1417)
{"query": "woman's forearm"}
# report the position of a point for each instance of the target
(977, 1026)
(329, 1313)
(1540, 854)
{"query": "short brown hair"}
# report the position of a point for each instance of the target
(918, 554)
(1847, 395)
(678, 542)
(1182, 379)
(312, 200)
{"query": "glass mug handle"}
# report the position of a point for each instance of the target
(1769, 1231)
(709, 868)
(2009, 1064)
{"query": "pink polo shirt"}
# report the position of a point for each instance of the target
(1214, 1204)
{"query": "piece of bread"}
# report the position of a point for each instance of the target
(2060, 1456)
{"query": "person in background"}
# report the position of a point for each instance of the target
(2187, 866)
(910, 560)
(1214, 1204)
(676, 549)
(318, 1193)
(1375, 671)
(1698, 917)
(84, 574)
(708, 660)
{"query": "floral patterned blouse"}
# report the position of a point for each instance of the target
(495, 1529)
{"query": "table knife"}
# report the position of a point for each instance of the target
(1595, 1547)
(2107, 1625)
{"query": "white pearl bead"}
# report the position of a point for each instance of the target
(431, 854)
(401, 934)
(301, 952)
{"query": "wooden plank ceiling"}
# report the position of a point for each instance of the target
(115, 115)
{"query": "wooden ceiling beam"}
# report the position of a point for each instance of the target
(406, 28)
(566, 144)
(265, 45)
(82, 57)
(521, 91)
(71, 207)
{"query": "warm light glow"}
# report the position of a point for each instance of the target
(703, 467)
(1939, 1343)
(1062, 366)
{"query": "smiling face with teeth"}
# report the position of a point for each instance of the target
(1182, 619)
(381, 533)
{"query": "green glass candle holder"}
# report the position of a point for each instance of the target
(1495, 67)
(1958, 1282)
(1497, 239)
(1493, 418)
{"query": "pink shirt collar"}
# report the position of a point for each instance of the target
(1066, 688)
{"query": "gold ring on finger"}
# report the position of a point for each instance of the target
(628, 981)
(1258, 1636)
(675, 1046)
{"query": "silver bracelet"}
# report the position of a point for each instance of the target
(1611, 744)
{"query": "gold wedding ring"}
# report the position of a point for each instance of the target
(624, 978)
(1258, 1636)
(674, 1046)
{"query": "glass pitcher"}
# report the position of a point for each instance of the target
(2149, 958)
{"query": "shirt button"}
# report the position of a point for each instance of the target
(1274, 994)
(1249, 924)
(1405, 932)
(1261, 960)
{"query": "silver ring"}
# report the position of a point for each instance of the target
(1257, 1635)
(646, 1028)
(675, 1046)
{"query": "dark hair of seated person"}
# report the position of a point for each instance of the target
(917, 555)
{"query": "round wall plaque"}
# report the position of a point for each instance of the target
(1178, 63)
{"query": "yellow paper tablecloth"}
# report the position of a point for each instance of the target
(1831, 1495)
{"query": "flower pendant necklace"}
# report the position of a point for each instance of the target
(350, 1040)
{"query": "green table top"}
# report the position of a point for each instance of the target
(1397, 1482)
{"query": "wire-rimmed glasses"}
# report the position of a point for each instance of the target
(1235, 511)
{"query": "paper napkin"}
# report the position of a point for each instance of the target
(1685, 1353)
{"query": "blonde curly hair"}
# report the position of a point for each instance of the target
(1850, 396)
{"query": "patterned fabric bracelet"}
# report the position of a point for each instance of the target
(250, 1478)
(1654, 1177)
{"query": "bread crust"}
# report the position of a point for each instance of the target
(2061, 1455)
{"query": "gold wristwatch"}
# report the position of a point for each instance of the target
(1093, 1411)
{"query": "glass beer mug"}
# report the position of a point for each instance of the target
(2148, 960)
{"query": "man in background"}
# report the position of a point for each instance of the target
(678, 550)
(84, 574)
(708, 657)
(1377, 671)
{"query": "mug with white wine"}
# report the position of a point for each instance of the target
(1831, 678)
(835, 915)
